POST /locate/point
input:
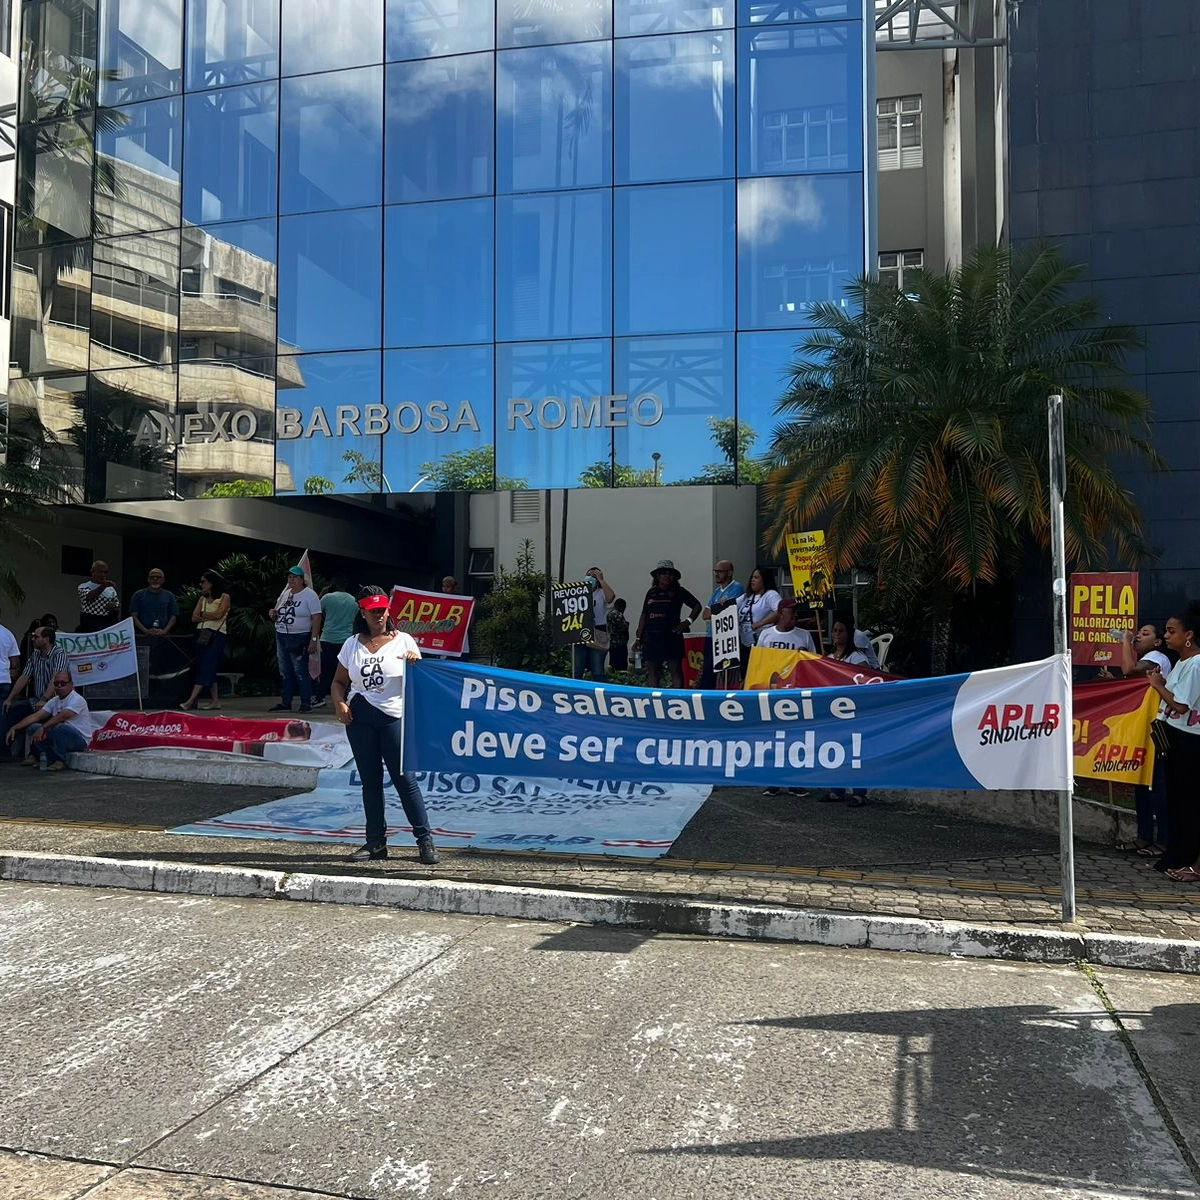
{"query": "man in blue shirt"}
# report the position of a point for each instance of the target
(725, 592)
(154, 610)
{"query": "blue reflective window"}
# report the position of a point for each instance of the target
(141, 49)
(323, 36)
(800, 240)
(681, 399)
(632, 18)
(229, 166)
(675, 107)
(440, 122)
(520, 23)
(764, 362)
(554, 118)
(331, 143)
(227, 353)
(329, 280)
(137, 166)
(779, 12)
(323, 441)
(228, 297)
(554, 413)
(674, 256)
(230, 41)
(438, 274)
(439, 405)
(800, 99)
(553, 265)
(427, 28)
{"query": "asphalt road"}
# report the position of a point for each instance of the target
(157, 1046)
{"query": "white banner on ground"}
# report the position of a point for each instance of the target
(726, 642)
(102, 655)
(486, 812)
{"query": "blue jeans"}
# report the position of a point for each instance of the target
(291, 652)
(588, 658)
(375, 739)
(60, 742)
(1151, 805)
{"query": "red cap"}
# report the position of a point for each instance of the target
(374, 602)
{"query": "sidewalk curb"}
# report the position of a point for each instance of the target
(757, 922)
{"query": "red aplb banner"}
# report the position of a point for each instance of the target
(139, 731)
(436, 621)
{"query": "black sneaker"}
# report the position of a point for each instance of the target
(306, 708)
(368, 852)
(771, 791)
(280, 708)
(798, 792)
(427, 851)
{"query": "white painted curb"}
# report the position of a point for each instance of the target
(665, 914)
(195, 766)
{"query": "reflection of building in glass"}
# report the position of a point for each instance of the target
(308, 248)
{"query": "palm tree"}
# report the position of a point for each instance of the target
(916, 427)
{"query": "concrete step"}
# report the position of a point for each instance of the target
(195, 766)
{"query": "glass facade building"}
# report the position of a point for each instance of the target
(288, 246)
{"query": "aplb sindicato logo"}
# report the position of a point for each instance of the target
(1010, 728)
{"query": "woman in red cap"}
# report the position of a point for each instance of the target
(371, 669)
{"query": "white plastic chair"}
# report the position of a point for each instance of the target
(881, 645)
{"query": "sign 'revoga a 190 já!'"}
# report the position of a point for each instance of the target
(572, 618)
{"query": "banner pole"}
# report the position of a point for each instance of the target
(1062, 648)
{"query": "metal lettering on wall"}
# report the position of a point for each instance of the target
(377, 420)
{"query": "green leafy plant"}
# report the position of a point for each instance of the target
(511, 624)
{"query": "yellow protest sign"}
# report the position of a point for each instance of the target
(812, 575)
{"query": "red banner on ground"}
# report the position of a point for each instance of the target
(436, 621)
(293, 741)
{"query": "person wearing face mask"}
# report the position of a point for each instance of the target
(590, 656)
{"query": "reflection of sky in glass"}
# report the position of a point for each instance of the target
(554, 118)
(553, 265)
(799, 241)
(764, 361)
(445, 379)
(330, 144)
(142, 143)
(760, 12)
(229, 168)
(541, 22)
(439, 129)
(439, 273)
(634, 17)
(141, 48)
(329, 280)
(693, 377)
(674, 107)
(424, 28)
(663, 284)
(320, 35)
(228, 42)
(550, 457)
(800, 99)
(341, 386)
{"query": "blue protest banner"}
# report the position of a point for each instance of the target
(988, 729)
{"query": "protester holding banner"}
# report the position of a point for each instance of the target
(371, 669)
(1180, 714)
(590, 656)
(661, 627)
(211, 618)
(757, 607)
